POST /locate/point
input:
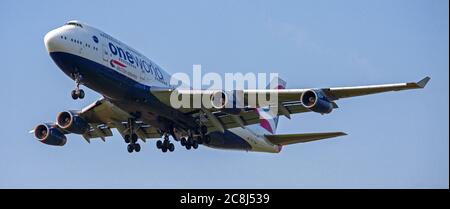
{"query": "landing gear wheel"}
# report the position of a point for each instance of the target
(130, 148)
(195, 144)
(137, 147)
(188, 146)
(183, 141)
(159, 144)
(74, 94)
(171, 147)
(127, 138)
(81, 94)
(77, 93)
(166, 143)
(164, 149)
(190, 140)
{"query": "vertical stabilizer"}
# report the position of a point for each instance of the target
(268, 116)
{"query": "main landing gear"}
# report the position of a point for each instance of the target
(165, 145)
(193, 141)
(189, 142)
(77, 92)
(131, 137)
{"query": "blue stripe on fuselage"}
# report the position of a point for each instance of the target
(228, 140)
(103, 79)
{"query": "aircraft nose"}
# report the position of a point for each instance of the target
(53, 40)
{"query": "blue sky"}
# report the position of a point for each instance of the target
(396, 140)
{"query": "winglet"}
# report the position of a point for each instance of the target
(422, 83)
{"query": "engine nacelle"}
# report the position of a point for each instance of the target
(316, 101)
(230, 102)
(50, 134)
(70, 122)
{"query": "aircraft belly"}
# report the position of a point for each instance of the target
(228, 140)
(258, 144)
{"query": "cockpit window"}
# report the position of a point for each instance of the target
(74, 23)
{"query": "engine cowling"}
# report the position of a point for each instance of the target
(316, 101)
(50, 134)
(72, 123)
(228, 101)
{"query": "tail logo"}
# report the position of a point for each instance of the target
(268, 118)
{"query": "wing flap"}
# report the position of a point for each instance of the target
(250, 117)
(285, 139)
(103, 116)
(101, 131)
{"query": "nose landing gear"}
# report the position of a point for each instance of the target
(77, 92)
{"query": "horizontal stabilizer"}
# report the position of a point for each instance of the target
(285, 139)
(422, 83)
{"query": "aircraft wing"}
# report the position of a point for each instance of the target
(286, 139)
(335, 93)
(344, 92)
(287, 95)
(288, 102)
(103, 116)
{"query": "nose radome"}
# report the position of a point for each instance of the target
(52, 41)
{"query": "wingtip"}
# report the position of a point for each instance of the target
(422, 83)
(336, 134)
(342, 134)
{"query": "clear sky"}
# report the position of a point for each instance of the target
(396, 140)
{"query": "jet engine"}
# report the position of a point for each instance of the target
(230, 102)
(50, 134)
(71, 122)
(316, 101)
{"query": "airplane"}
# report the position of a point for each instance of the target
(135, 101)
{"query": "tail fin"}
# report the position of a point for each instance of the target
(268, 116)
